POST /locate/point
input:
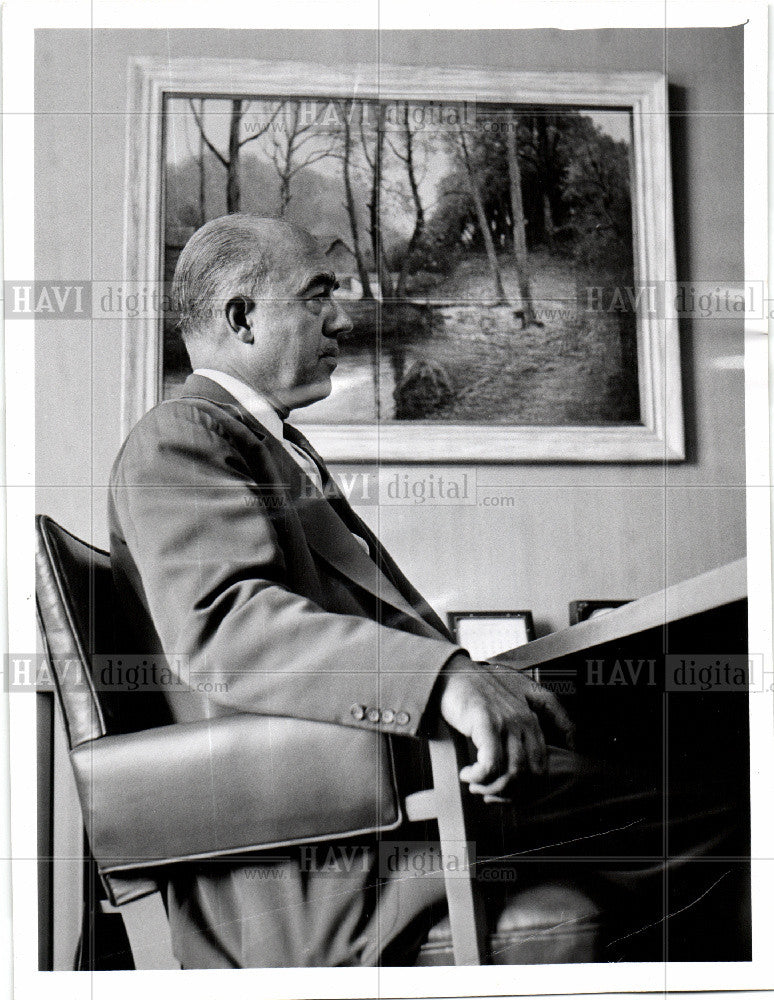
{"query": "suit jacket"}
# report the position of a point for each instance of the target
(230, 561)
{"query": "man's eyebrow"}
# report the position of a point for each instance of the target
(325, 278)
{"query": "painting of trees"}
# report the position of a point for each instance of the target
(460, 246)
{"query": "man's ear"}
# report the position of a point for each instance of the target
(238, 312)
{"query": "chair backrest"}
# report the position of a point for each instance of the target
(81, 628)
(85, 636)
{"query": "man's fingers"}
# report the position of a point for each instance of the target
(489, 754)
(545, 703)
(494, 788)
(515, 757)
(516, 753)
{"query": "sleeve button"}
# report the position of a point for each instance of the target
(374, 715)
(357, 712)
(403, 718)
(388, 716)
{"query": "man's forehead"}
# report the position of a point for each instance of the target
(290, 259)
(295, 247)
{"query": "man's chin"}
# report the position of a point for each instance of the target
(307, 394)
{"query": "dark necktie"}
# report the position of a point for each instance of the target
(308, 459)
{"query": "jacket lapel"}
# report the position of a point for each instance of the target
(330, 537)
(325, 529)
(392, 570)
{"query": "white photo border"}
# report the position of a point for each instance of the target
(19, 23)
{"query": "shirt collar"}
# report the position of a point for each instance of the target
(256, 404)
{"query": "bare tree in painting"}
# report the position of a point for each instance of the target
(346, 110)
(375, 158)
(518, 223)
(544, 140)
(235, 145)
(408, 156)
(483, 223)
(291, 152)
(202, 168)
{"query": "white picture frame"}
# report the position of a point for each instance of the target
(658, 437)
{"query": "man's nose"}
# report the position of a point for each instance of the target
(338, 322)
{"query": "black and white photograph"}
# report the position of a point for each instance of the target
(388, 509)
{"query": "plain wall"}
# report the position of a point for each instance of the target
(560, 531)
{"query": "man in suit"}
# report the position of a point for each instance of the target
(229, 536)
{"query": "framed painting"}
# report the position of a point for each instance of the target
(502, 243)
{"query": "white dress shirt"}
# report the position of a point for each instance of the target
(259, 407)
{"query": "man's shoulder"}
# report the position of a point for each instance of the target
(177, 421)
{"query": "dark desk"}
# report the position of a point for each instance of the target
(631, 681)
(660, 680)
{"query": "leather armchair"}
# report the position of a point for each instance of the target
(129, 761)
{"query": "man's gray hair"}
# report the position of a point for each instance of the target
(233, 255)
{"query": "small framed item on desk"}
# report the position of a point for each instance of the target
(582, 611)
(487, 633)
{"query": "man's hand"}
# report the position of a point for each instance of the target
(500, 710)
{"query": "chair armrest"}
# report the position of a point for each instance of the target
(466, 913)
(228, 785)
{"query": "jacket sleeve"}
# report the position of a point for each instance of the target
(201, 533)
